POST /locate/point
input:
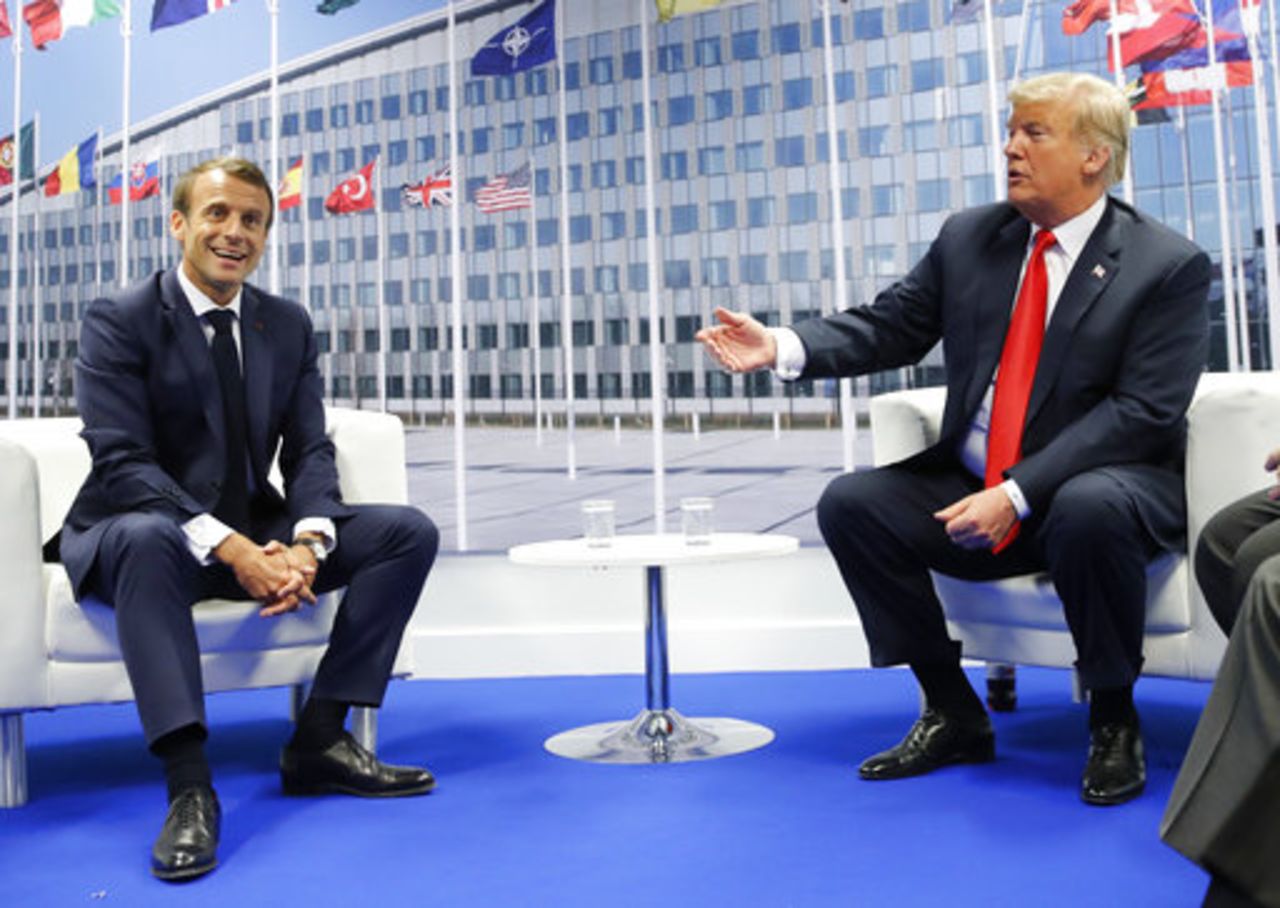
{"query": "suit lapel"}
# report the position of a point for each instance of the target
(195, 350)
(258, 362)
(1096, 267)
(995, 305)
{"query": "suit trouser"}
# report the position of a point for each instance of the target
(1232, 545)
(145, 570)
(1092, 538)
(1224, 812)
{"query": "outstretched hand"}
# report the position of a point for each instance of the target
(739, 343)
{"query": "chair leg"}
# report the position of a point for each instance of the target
(13, 761)
(364, 727)
(1078, 693)
(1002, 687)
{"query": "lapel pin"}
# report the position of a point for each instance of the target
(1099, 272)
(257, 326)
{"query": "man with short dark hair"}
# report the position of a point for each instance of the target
(1074, 329)
(188, 384)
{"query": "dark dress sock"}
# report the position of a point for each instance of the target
(947, 689)
(185, 765)
(320, 724)
(1111, 706)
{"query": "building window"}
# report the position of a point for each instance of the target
(680, 110)
(719, 105)
(746, 45)
(786, 38)
(756, 99)
(797, 93)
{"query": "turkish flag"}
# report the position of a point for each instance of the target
(354, 194)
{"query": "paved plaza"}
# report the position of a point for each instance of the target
(519, 491)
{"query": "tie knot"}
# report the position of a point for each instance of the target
(1044, 239)
(221, 320)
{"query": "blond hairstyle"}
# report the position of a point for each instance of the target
(1101, 109)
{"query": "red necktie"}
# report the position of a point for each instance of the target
(1018, 371)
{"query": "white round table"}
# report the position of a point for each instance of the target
(658, 734)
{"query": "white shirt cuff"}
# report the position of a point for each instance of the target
(791, 356)
(205, 533)
(321, 525)
(1016, 498)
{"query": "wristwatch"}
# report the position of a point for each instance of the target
(318, 551)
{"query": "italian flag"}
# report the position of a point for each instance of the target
(49, 19)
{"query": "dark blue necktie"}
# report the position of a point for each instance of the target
(233, 505)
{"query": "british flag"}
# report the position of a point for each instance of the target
(436, 191)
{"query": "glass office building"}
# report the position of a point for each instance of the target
(741, 170)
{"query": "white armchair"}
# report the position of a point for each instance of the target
(1233, 422)
(54, 652)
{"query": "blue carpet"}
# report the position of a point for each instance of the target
(788, 825)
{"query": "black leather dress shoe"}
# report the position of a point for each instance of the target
(345, 767)
(188, 842)
(934, 740)
(1116, 770)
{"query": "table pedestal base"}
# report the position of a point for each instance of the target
(659, 736)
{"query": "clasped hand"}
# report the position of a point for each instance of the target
(277, 575)
(980, 520)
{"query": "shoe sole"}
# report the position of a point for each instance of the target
(184, 874)
(294, 789)
(1112, 800)
(984, 753)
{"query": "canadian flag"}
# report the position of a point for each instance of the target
(356, 193)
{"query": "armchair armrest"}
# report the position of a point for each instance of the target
(370, 455)
(22, 605)
(905, 423)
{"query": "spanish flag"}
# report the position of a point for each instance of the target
(290, 191)
(669, 9)
(75, 171)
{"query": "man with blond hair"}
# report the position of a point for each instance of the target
(1073, 330)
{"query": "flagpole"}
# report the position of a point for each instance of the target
(1188, 209)
(455, 304)
(657, 359)
(1250, 17)
(1126, 181)
(535, 322)
(11, 366)
(566, 311)
(1242, 291)
(126, 32)
(273, 12)
(1219, 155)
(848, 418)
(993, 101)
(96, 245)
(382, 294)
(306, 243)
(36, 287)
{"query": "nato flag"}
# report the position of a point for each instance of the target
(529, 43)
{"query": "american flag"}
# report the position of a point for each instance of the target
(436, 191)
(506, 192)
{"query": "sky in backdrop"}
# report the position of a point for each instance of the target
(76, 82)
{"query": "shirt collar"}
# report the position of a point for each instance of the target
(200, 302)
(1073, 234)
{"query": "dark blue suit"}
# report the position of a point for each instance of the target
(1102, 446)
(148, 395)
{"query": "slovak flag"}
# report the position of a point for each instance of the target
(356, 193)
(144, 180)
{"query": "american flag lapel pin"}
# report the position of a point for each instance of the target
(1099, 272)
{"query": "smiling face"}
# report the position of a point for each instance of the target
(1053, 174)
(222, 233)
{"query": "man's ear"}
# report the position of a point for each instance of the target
(177, 225)
(1096, 160)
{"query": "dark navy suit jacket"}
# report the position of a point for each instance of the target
(148, 395)
(1123, 350)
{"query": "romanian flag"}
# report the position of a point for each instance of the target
(289, 195)
(50, 19)
(669, 9)
(75, 171)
